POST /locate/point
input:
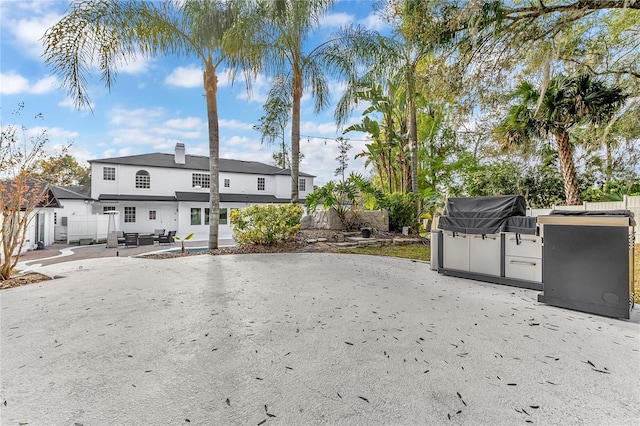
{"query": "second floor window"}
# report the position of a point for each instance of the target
(261, 184)
(302, 184)
(201, 180)
(227, 183)
(143, 180)
(152, 215)
(108, 209)
(108, 173)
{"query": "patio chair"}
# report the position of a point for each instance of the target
(167, 239)
(120, 236)
(131, 239)
(156, 234)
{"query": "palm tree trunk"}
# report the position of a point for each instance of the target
(295, 136)
(609, 165)
(211, 89)
(389, 167)
(413, 139)
(565, 152)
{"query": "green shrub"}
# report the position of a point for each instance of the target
(402, 210)
(269, 224)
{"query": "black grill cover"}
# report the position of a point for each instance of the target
(487, 215)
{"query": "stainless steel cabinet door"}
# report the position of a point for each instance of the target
(455, 251)
(484, 254)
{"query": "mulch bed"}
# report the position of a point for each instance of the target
(23, 279)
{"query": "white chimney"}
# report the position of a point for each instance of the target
(179, 158)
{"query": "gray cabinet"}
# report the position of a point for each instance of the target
(588, 263)
(523, 257)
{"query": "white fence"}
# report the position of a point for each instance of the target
(631, 203)
(94, 227)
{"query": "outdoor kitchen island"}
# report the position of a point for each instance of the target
(491, 239)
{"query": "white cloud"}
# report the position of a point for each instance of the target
(336, 20)
(28, 32)
(260, 86)
(234, 125)
(320, 159)
(45, 85)
(314, 128)
(187, 123)
(67, 102)
(137, 65)
(12, 83)
(81, 155)
(154, 130)
(374, 22)
(140, 117)
(189, 77)
(242, 142)
(57, 135)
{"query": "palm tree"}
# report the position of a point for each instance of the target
(109, 33)
(568, 102)
(387, 135)
(275, 33)
(395, 59)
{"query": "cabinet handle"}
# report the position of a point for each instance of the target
(522, 262)
(485, 238)
(523, 240)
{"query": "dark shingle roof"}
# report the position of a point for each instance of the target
(72, 192)
(197, 162)
(38, 190)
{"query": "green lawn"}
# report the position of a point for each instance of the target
(412, 251)
(422, 252)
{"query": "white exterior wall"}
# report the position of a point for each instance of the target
(30, 241)
(241, 183)
(283, 187)
(69, 209)
(201, 232)
(166, 215)
(176, 216)
(165, 182)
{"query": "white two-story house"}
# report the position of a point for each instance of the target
(171, 191)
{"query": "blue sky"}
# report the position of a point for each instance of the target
(156, 103)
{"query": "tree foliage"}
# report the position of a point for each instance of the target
(268, 224)
(347, 199)
(62, 170)
(21, 197)
(109, 33)
(567, 102)
(275, 33)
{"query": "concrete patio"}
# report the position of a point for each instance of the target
(302, 339)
